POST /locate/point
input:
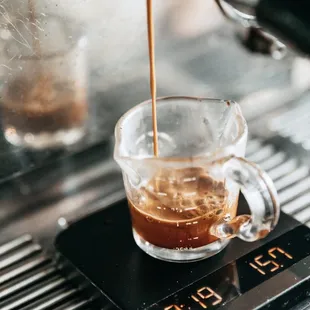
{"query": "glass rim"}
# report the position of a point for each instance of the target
(218, 153)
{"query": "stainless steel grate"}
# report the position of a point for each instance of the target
(291, 178)
(29, 280)
(294, 124)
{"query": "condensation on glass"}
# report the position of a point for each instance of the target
(44, 94)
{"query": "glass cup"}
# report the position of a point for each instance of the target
(184, 202)
(44, 94)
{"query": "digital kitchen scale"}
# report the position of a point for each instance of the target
(273, 273)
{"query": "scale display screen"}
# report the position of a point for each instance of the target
(247, 272)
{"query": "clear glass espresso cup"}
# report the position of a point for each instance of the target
(184, 202)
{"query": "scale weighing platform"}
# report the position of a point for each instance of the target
(273, 273)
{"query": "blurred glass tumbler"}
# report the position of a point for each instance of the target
(184, 203)
(44, 102)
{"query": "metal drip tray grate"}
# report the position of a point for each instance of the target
(294, 123)
(291, 178)
(29, 280)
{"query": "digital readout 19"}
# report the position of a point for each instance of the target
(201, 295)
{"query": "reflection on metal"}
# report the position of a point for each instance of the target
(70, 189)
(229, 8)
(291, 178)
(33, 281)
(294, 124)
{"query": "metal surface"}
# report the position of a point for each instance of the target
(290, 175)
(294, 124)
(34, 202)
(29, 279)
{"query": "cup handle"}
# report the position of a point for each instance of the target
(261, 195)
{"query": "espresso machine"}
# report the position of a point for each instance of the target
(63, 210)
(283, 20)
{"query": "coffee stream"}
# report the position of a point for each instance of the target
(151, 41)
(177, 208)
